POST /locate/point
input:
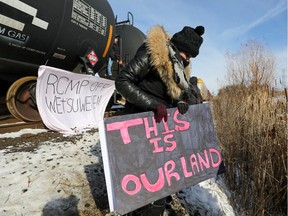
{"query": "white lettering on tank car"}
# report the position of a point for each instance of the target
(85, 16)
(11, 22)
(17, 4)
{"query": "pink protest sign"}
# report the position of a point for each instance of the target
(145, 161)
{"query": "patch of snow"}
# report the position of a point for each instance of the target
(21, 132)
(209, 198)
(53, 177)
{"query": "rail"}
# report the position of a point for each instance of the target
(10, 124)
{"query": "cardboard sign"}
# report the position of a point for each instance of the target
(69, 102)
(145, 161)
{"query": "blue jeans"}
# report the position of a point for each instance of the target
(109, 67)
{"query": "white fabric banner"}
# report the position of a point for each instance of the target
(69, 102)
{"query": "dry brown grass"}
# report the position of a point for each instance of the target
(252, 129)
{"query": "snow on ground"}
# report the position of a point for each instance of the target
(209, 198)
(67, 178)
(50, 180)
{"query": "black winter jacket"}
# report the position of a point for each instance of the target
(194, 94)
(147, 80)
(115, 52)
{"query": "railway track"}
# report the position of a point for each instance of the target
(10, 124)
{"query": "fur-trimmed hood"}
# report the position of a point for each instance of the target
(157, 46)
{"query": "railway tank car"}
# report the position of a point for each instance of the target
(74, 35)
(54, 33)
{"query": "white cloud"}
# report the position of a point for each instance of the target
(242, 29)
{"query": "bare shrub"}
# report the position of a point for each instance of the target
(251, 125)
(253, 65)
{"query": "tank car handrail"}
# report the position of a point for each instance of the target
(126, 21)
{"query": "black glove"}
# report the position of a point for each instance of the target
(182, 107)
(160, 113)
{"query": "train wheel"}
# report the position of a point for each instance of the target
(19, 101)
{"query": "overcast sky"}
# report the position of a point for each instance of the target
(227, 24)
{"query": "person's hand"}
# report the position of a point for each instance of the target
(120, 62)
(161, 112)
(182, 107)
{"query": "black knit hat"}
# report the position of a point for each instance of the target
(189, 40)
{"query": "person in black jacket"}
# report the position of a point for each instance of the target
(114, 56)
(158, 76)
(194, 94)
